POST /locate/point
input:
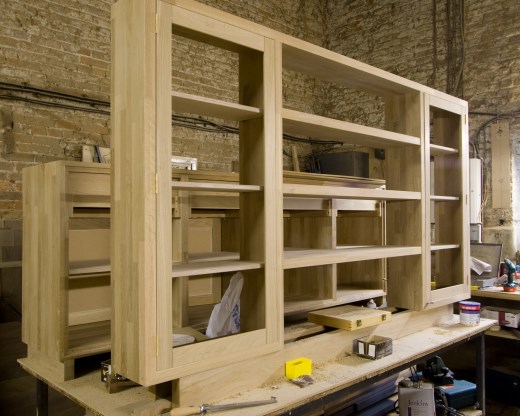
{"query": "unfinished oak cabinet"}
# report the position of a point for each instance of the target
(293, 257)
(149, 281)
(66, 263)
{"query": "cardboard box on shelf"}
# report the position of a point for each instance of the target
(504, 316)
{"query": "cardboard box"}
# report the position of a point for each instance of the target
(505, 317)
(416, 401)
(373, 347)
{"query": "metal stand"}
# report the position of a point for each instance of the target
(42, 398)
(481, 371)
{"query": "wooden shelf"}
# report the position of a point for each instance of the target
(502, 333)
(88, 339)
(215, 187)
(348, 294)
(440, 198)
(345, 294)
(437, 247)
(299, 303)
(323, 128)
(81, 269)
(10, 264)
(199, 264)
(295, 258)
(496, 292)
(214, 256)
(336, 192)
(317, 62)
(201, 267)
(436, 150)
(193, 104)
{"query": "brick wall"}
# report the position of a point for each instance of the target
(492, 83)
(63, 45)
(410, 38)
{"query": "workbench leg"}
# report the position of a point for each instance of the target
(42, 398)
(481, 371)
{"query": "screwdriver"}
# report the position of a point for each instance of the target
(203, 409)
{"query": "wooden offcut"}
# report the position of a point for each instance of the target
(349, 317)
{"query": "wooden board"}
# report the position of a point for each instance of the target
(417, 338)
(349, 317)
(501, 165)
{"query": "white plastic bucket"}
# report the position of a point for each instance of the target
(469, 312)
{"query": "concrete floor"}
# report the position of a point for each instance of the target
(18, 389)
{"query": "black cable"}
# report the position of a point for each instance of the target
(51, 104)
(179, 121)
(33, 90)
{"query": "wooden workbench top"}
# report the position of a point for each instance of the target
(496, 292)
(89, 392)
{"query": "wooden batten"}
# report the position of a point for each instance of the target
(133, 121)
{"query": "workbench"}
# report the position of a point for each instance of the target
(333, 379)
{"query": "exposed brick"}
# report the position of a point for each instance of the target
(64, 45)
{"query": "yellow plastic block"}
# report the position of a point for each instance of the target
(298, 367)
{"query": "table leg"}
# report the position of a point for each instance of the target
(42, 398)
(481, 372)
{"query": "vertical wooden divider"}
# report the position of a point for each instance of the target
(133, 200)
(406, 219)
(168, 293)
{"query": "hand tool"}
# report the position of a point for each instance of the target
(187, 411)
(511, 284)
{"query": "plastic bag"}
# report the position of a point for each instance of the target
(225, 317)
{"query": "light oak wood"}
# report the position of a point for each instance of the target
(207, 29)
(190, 186)
(343, 294)
(332, 347)
(450, 192)
(57, 240)
(396, 247)
(134, 152)
(496, 293)
(500, 167)
(333, 256)
(309, 257)
(406, 221)
(10, 264)
(444, 246)
(154, 299)
(189, 103)
(349, 317)
(314, 191)
(323, 128)
(436, 150)
(211, 267)
(444, 198)
(414, 335)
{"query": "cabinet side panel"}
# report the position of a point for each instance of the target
(30, 271)
(45, 267)
(133, 167)
(164, 194)
(405, 220)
